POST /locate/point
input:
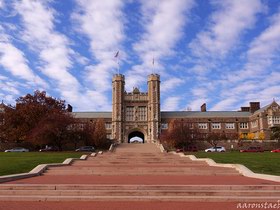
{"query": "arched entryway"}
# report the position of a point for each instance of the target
(133, 134)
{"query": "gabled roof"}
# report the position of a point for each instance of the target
(266, 107)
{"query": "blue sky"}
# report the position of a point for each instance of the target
(224, 53)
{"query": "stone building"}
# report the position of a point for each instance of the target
(138, 114)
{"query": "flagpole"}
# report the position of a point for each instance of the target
(118, 62)
(153, 68)
(118, 65)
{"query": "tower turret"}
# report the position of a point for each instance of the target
(154, 107)
(118, 109)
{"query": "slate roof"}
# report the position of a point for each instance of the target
(92, 114)
(178, 114)
(208, 114)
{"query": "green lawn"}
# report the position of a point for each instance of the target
(13, 162)
(266, 162)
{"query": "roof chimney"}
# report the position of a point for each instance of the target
(203, 107)
(69, 108)
(254, 106)
(245, 109)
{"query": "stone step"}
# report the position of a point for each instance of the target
(139, 165)
(139, 172)
(162, 192)
(141, 168)
(141, 198)
(136, 187)
(112, 162)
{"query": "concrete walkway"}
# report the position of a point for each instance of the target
(140, 173)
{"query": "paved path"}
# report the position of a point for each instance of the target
(137, 176)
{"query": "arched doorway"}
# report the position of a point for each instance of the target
(132, 135)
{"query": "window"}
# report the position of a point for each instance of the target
(108, 125)
(276, 120)
(109, 136)
(129, 113)
(216, 125)
(273, 120)
(202, 125)
(229, 125)
(142, 113)
(269, 120)
(254, 123)
(164, 125)
(243, 125)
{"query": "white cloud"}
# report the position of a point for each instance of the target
(13, 60)
(264, 49)
(7, 98)
(171, 103)
(2, 4)
(222, 36)
(163, 23)
(8, 87)
(268, 42)
(196, 103)
(268, 93)
(170, 84)
(79, 58)
(102, 23)
(166, 17)
(226, 26)
(100, 76)
(262, 52)
(54, 53)
(199, 91)
(226, 104)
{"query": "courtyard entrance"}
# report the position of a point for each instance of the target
(136, 136)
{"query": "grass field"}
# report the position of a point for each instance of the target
(266, 162)
(17, 162)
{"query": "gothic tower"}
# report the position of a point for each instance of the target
(118, 106)
(136, 113)
(154, 107)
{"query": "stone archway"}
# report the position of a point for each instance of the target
(136, 134)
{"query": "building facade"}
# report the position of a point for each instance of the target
(138, 114)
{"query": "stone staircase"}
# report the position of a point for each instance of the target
(140, 193)
(140, 172)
